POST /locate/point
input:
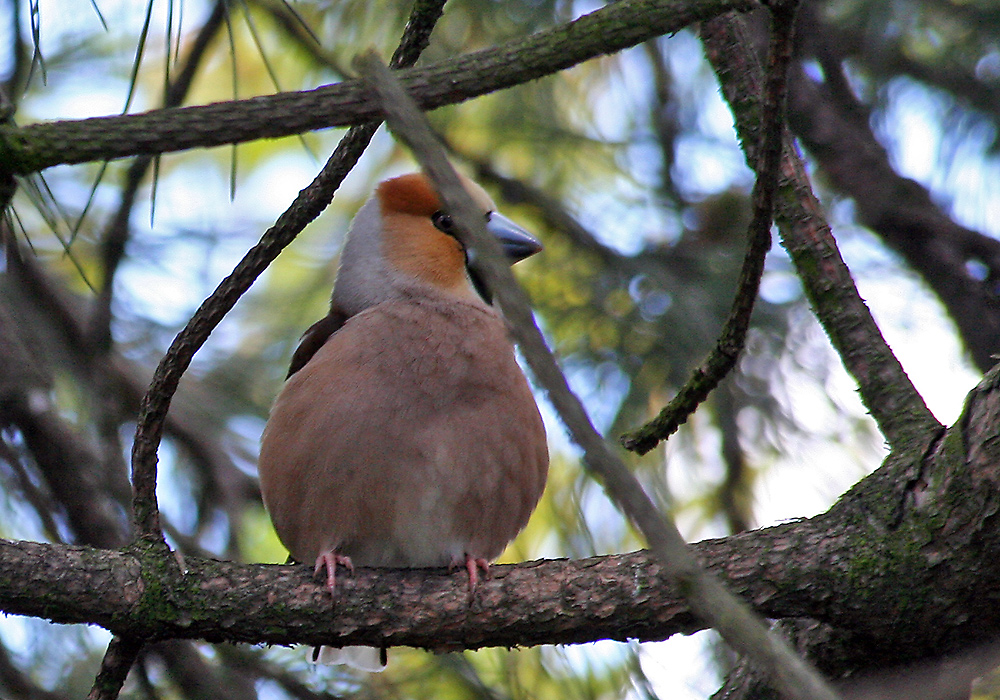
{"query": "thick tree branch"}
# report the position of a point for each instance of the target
(960, 265)
(551, 602)
(926, 519)
(923, 645)
(886, 391)
(706, 595)
(605, 31)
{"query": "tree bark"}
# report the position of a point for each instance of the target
(907, 563)
(608, 30)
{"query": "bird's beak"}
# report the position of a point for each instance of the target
(517, 243)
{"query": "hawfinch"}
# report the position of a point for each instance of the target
(406, 434)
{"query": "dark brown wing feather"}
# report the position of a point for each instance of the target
(314, 337)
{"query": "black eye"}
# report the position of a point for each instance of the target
(443, 223)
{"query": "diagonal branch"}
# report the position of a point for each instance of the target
(309, 203)
(118, 659)
(707, 597)
(728, 347)
(886, 391)
(617, 26)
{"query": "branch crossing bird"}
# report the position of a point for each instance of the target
(405, 435)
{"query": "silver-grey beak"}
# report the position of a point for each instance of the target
(517, 243)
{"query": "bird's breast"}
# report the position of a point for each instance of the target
(410, 435)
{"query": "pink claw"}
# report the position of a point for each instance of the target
(472, 566)
(329, 560)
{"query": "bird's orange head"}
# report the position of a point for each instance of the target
(402, 236)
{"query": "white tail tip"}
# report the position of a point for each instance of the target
(368, 659)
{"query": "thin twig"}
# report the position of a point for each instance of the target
(723, 356)
(116, 234)
(886, 391)
(301, 35)
(118, 659)
(309, 203)
(705, 594)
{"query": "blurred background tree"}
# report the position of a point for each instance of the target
(626, 167)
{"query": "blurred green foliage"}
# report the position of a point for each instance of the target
(633, 148)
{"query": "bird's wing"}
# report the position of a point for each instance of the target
(314, 337)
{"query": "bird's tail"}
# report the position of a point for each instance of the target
(371, 659)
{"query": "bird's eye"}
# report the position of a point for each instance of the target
(443, 223)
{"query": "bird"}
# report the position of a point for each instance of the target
(405, 434)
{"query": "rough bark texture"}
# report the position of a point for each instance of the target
(903, 569)
(907, 563)
(886, 391)
(835, 127)
(611, 29)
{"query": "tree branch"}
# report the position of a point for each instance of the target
(723, 356)
(928, 520)
(707, 597)
(605, 31)
(309, 203)
(834, 127)
(121, 654)
(886, 391)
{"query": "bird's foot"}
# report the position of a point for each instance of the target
(329, 561)
(472, 566)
